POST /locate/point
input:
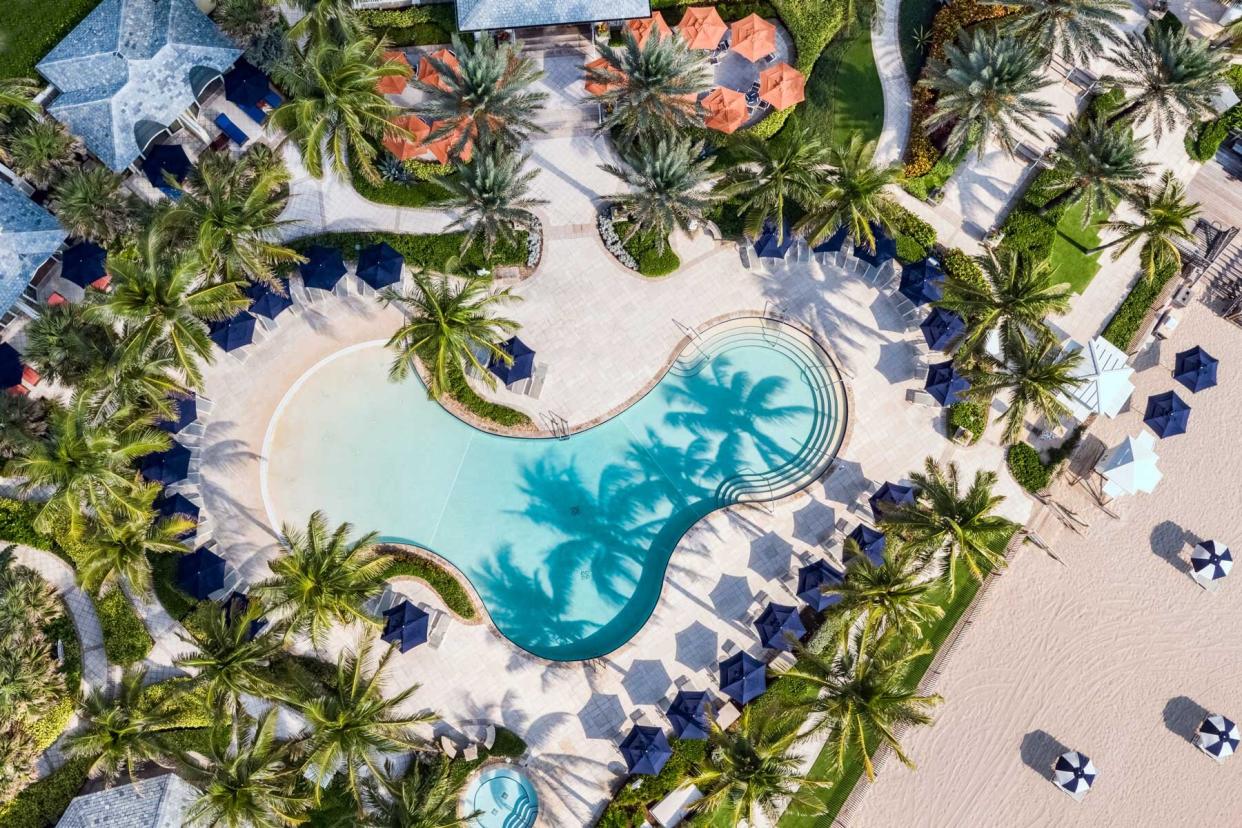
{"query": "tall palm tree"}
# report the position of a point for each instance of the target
(650, 91)
(230, 212)
(670, 188)
(248, 777)
(856, 195)
(17, 95)
(40, 151)
(116, 548)
(493, 194)
(327, 21)
(26, 600)
(1096, 166)
(355, 724)
(90, 204)
(449, 324)
(334, 108)
(487, 98)
(1015, 298)
(962, 526)
(1171, 77)
(244, 20)
(1076, 30)
(987, 90)
(865, 694)
(790, 167)
(231, 658)
(893, 596)
(1165, 215)
(137, 385)
(29, 680)
(1037, 374)
(426, 797)
(323, 578)
(66, 343)
(122, 730)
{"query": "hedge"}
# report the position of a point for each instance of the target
(41, 803)
(459, 389)
(1027, 468)
(430, 251)
(181, 698)
(414, 26)
(644, 247)
(961, 266)
(17, 524)
(1125, 324)
(971, 416)
(438, 577)
(126, 640)
(418, 193)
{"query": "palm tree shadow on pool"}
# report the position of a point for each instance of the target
(525, 606)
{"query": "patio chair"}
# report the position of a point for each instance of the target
(471, 753)
(449, 747)
(920, 397)
(537, 377)
(919, 344)
(231, 129)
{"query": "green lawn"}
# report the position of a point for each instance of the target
(30, 28)
(1070, 259)
(915, 16)
(844, 90)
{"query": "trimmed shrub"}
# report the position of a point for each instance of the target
(1027, 468)
(507, 743)
(970, 416)
(909, 250)
(959, 265)
(439, 578)
(908, 224)
(645, 248)
(466, 396)
(126, 640)
(181, 698)
(415, 26)
(41, 803)
(17, 524)
(1027, 232)
(1105, 103)
(1125, 324)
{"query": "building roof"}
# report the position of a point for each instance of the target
(29, 235)
(129, 69)
(148, 803)
(514, 14)
(1104, 380)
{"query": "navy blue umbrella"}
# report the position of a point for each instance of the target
(646, 750)
(236, 606)
(688, 714)
(84, 263)
(234, 333)
(922, 282)
(812, 578)
(167, 467)
(945, 384)
(889, 495)
(245, 85)
(777, 625)
(10, 366)
(323, 268)
(266, 302)
(885, 248)
(405, 625)
(942, 329)
(1195, 369)
(870, 541)
(1167, 414)
(379, 265)
(187, 412)
(768, 246)
(834, 243)
(200, 573)
(166, 158)
(169, 505)
(523, 364)
(743, 678)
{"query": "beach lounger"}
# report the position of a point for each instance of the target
(253, 113)
(231, 129)
(919, 397)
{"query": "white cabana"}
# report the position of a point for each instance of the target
(1105, 380)
(1130, 467)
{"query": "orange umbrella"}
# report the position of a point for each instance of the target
(443, 146)
(782, 86)
(393, 84)
(725, 109)
(702, 27)
(753, 37)
(428, 74)
(642, 26)
(403, 148)
(595, 87)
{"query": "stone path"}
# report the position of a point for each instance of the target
(886, 50)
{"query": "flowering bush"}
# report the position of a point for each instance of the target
(612, 241)
(534, 241)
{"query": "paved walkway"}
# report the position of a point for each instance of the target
(886, 50)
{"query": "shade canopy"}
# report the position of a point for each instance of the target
(596, 87)
(922, 282)
(834, 243)
(187, 412)
(753, 37)
(1104, 379)
(405, 625)
(1217, 737)
(430, 75)
(1210, 561)
(773, 245)
(812, 579)
(688, 714)
(1130, 467)
(323, 268)
(170, 505)
(266, 302)
(743, 678)
(890, 495)
(782, 86)
(166, 158)
(1195, 369)
(522, 366)
(166, 467)
(379, 265)
(702, 27)
(871, 542)
(234, 333)
(394, 84)
(885, 248)
(642, 27)
(1167, 414)
(724, 109)
(646, 750)
(10, 366)
(1073, 773)
(404, 148)
(200, 573)
(245, 84)
(444, 149)
(84, 263)
(945, 384)
(779, 626)
(942, 329)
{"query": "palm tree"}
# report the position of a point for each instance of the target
(790, 167)
(66, 344)
(327, 22)
(116, 548)
(90, 204)
(40, 151)
(965, 527)
(334, 107)
(23, 422)
(1015, 298)
(231, 658)
(122, 730)
(29, 680)
(486, 98)
(1170, 76)
(244, 20)
(493, 194)
(323, 578)
(670, 188)
(355, 724)
(650, 91)
(248, 777)
(986, 91)
(135, 385)
(426, 797)
(230, 211)
(17, 94)
(1164, 217)
(856, 196)
(1096, 166)
(751, 768)
(26, 600)
(865, 694)
(1037, 374)
(893, 596)
(1076, 30)
(449, 323)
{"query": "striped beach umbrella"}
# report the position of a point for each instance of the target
(1210, 561)
(1074, 773)
(1217, 737)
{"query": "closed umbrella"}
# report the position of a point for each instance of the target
(522, 366)
(922, 282)
(10, 366)
(166, 467)
(890, 495)
(200, 573)
(743, 678)
(323, 268)
(1210, 561)
(812, 578)
(1217, 737)
(379, 265)
(871, 542)
(1167, 414)
(84, 263)
(646, 750)
(1195, 369)
(689, 714)
(405, 625)
(1074, 773)
(778, 626)
(945, 384)
(266, 302)
(234, 333)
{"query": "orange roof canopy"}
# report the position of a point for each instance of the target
(725, 109)
(702, 27)
(428, 74)
(643, 26)
(594, 87)
(443, 146)
(753, 37)
(782, 86)
(393, 84)
(403, 148)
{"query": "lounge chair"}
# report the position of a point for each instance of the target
(253, 112)
(920, 397)
(231, 129)
(449, 747)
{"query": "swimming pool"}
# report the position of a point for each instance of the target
(502, 797)
(566, 541)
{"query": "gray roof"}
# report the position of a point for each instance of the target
(147, 803)
(129, 69)
(29, 235)
(515, 14)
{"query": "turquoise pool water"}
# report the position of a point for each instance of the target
(503, 798)
(566, 541)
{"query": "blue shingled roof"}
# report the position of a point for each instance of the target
(511, 14)
(29, 235)
(129, 65)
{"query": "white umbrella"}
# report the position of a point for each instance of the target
(1210, 561)
(1074, 773)
(1130, 467)
(1217, 737)
(1104, 379)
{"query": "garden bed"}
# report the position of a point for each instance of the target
(646, 251)
(428, 251)
(442, 580)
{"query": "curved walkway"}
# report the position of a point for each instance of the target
(886, 49)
